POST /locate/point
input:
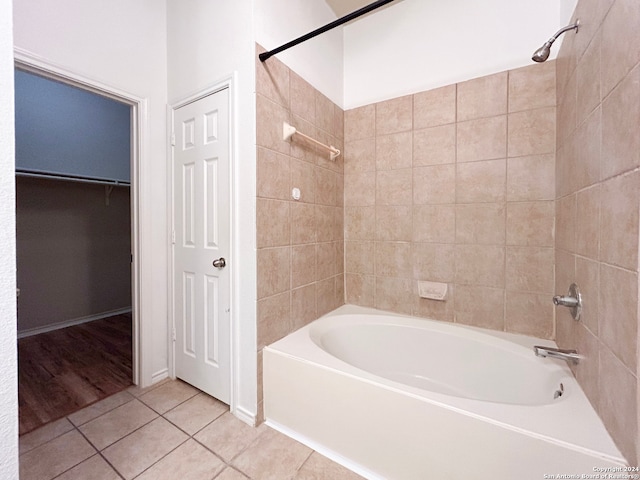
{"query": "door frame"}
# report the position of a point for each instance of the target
(141, 341)
(228, 82)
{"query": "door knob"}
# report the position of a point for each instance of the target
(220, 263)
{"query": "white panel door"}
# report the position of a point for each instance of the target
(202, 244)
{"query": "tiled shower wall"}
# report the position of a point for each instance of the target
(456, 185)
(597, 207)
(300, 243)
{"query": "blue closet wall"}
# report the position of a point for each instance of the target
(67, 131)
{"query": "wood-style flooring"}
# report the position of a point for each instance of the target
(65, 370)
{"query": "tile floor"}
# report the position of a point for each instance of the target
(166, 432)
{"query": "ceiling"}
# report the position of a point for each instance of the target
(343, 7)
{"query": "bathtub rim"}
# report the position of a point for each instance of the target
(579, 421)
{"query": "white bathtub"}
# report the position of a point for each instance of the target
(395, 397)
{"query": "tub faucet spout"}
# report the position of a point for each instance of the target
(570, 356)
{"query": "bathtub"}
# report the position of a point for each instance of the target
(396, 397)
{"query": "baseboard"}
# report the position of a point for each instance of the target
(159, 376)
(70, 323)
(245, 415)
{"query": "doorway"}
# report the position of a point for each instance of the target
(116, 331)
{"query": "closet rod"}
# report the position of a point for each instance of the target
(48, 176)
(326, 28)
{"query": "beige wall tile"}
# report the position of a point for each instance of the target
(434, 107)
(393, 259)
(394, 151)
(394, 115)
(273, 226)
(620, 42)
(303, 265)
(482, 139)
(530, 269)
(434, 262)
(303, 177)
(434, 184)
(393, 223)
(586, 371)
(360, 257)
(274, 318)
(394, 294)
(273, 271)
(360, 123)
(480, 306)
(619, 411)
(532, 132)
(303, 223)
(619, 221)
(325, 186)
(529, 314)
(272, 80)
(481, 181)
(531, 178)
(272, 177)
(360, 289)
(393, 187)
(325, 296)
(443, 311)
(588, 222)
(360, 156)
(325, 260)
(568, 109)
(303, 98)
(480, 223)
(269, 118)
(360, 223)
(482, 97)
(566, 161)
(588, 279)
(480, 265)
(620, 123)
(324, 113)
(588, 81)
(566, 223)
(530, 223)
(565, 271)
(434, 223)
(360, 189)
(586, 169)
(618, 302)
(303, 306)
(435, 145)
(326, 223)
(532, 87)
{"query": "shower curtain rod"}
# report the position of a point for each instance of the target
(326, 28)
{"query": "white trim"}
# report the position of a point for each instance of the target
(246, 416)
(70, 323)
(327, 452)
(142, 344)
(159, 376)
(227, 82)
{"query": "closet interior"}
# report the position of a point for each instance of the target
(73, 233)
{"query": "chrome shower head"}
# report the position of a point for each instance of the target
(543, 52)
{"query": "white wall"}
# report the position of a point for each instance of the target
(8, 344)
(121, 44)
(319, 60)
(208, 40)
(417, 45)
